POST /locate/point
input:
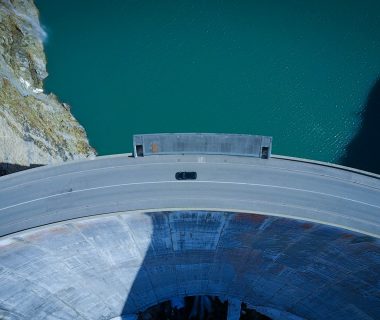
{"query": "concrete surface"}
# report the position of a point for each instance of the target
(294, 239)
(110, 184)
(234, 309)
(202, 143)
(101, 267)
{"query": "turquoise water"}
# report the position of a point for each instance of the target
(298, 71)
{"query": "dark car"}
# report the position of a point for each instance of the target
(186, 175)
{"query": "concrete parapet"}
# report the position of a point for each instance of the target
(202, 143)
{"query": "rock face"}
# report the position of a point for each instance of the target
(35, 128)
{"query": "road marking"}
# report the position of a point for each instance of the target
(182, 182)
(241, 164)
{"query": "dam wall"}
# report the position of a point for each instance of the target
(279, 187)
(119, 264)
(110, 237)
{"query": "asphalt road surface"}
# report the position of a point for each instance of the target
(278, 186)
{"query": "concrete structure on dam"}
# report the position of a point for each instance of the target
(107, 238)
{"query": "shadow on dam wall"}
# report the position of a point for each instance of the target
(192, 263)
(268, 263)
(112, 265)
(363, 151)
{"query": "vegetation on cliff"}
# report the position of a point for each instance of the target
(35, 128)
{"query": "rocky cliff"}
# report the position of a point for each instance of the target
(35, 128)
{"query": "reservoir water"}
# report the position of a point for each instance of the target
(300, 71)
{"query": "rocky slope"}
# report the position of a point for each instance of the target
(35, 128)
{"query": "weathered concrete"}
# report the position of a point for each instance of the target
(99, 268)
(307, 246)
(234, 309)
(202, 143)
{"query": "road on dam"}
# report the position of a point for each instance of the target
(278, 186)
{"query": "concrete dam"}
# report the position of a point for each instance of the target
(108, 238)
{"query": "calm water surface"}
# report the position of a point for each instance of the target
(300, 71)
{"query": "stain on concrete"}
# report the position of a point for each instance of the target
(107, 266)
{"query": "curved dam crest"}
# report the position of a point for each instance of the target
(110, 237)
(291, 188)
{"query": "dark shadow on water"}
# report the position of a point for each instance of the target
(363, 151)
(8, 168)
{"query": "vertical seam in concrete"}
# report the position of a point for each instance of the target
(266, 223)
(167, 213)
(46, 250)
(283, 252)
(326, 285)
(225, 214)
(39, 286)
(100, 255)
(129, 231)
(127, 227)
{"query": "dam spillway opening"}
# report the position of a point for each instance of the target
(139, 259)
(197, 308)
